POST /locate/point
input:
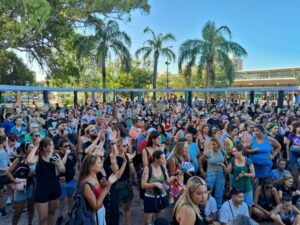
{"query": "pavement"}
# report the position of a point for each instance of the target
(136, 214)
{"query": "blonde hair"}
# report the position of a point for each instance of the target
(285, 178)
(186, 199)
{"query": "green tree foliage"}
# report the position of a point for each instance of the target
(107, 40)
(38, 27)
(212, 50)
(154, 47)
(13, 71)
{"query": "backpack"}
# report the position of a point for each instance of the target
(81, 214)
(22, 170)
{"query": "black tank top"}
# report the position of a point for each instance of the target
(197, 222)
(45, 172)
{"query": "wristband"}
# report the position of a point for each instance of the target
(112, 143)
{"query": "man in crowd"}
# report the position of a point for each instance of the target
(233, 207)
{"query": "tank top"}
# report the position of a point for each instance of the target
(98, 191)
(287, 219)
(45, 172)
(197, 222)
(153, 179)
(265, 149)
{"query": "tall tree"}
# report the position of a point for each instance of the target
(107, 40)
(39, 27)
(210, 51)
(13, 70)
(154, 47)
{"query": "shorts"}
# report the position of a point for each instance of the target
(24, 195)
(248, 198)
(68, 189)
(155, 205)
(124, 190)
(47, 191)
(3, 181)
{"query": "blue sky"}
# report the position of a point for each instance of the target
(268, 29)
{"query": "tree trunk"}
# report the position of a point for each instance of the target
(206, 82)
(104, 80)
(156, 55)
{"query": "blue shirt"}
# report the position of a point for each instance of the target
(210, 207)
(228, 211)
(17, 132)
(7, 125)
(193, 150)
(276, 174)
(3, 161)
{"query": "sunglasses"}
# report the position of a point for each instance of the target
(36, 135)
(269, 187)
(66, 146)
(125, 146)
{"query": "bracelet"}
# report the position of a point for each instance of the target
(113, 143)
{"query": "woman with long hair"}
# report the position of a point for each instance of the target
(123, 185)
(93, 192)
(48, 165)
(25, 193)
(154, 177)
(179, 155)
(215, 173)
(186, 210)
(153, 144)
(203, 137)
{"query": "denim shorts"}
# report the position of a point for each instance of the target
(24, 195)
(68, 189)
(248, 198)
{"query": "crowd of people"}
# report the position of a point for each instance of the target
(219, 163)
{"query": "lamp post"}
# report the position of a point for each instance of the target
(27, 84)
(167, 63)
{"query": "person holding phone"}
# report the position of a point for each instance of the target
(94, 192)
(48, 166)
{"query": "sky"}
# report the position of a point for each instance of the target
(268, 29)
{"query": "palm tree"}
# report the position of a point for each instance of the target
(154, 48)
(107, 39)
(212, 50)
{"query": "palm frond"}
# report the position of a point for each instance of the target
(167, 52)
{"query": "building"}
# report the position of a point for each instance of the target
(267, 77)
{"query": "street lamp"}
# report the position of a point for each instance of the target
(27, 84)
(167, 63)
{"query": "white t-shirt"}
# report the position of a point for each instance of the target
(229, 211)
